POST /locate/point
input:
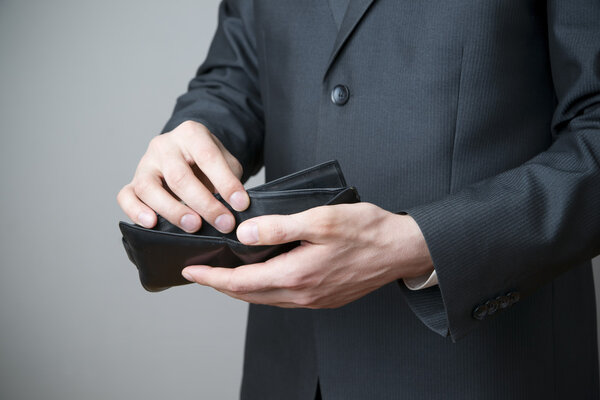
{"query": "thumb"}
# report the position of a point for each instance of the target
(272, 229)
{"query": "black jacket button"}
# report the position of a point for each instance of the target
(340, 95)
(492, 306)
(480, 312)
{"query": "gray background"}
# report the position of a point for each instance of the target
(83, 87)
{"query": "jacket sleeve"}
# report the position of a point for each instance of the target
(502, 238)
(224, 95)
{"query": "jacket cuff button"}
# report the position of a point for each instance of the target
(503, 302)
(492, 306)
(480, 312)
(513, 297)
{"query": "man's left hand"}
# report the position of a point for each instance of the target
(345, 252)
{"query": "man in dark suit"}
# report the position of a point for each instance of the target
(472, 132)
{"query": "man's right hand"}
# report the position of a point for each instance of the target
(177, 178)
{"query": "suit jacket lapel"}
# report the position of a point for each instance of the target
(354, 13)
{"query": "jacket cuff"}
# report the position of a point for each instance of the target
(444, 306)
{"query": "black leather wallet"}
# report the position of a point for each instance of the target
(161, 253)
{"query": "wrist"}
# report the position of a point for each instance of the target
(411, 247)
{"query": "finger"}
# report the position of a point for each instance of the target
(276, 297)
(244, 279)
(284, 298)
(183, 182)
(150, 191)
(234, 164)
(211, 160)
(135, 209)
(277, 229)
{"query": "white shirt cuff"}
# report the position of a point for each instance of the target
(421, 282)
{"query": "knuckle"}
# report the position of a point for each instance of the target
(321, 213)
(156, 143)
(237, 287)
(325, 229)
(227, 188)
(305, 300)
(145, 160)
(176, 176)
(196, 127)
(213, 209)
(124, 196)
(147, 164)
(370, 208)
(236, 167)
(187, 126)
(276, 232)
(189, 133)
(207, 155)
(325, 222)
(142, 186)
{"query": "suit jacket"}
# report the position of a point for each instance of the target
(481, 120)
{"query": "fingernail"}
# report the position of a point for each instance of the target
(248, 233)
(225, 223)
(190, 223)
(146, 219)
(239, 200)
(187, 275)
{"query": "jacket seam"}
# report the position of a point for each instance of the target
(456, 114)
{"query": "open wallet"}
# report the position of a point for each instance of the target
(161, 253)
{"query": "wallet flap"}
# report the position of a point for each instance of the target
(324, 175)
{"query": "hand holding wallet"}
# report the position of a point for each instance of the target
(161, 253)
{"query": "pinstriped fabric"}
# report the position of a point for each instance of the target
(428, 303)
